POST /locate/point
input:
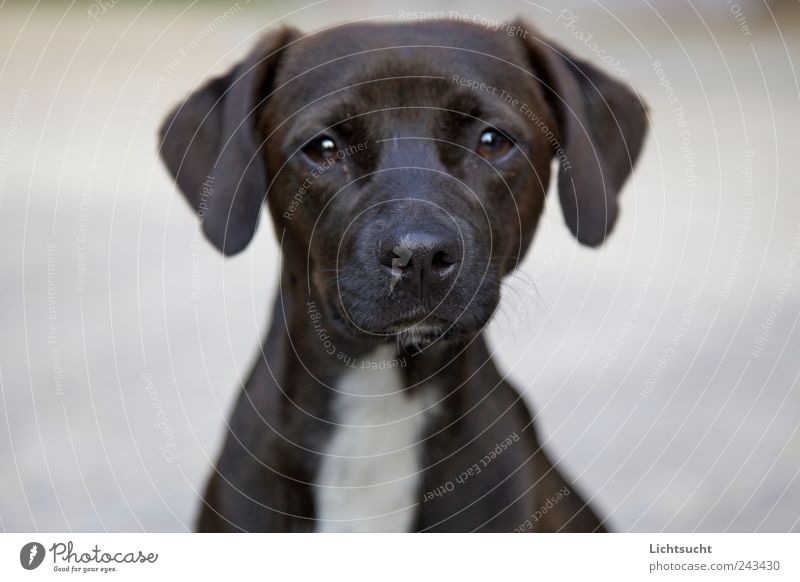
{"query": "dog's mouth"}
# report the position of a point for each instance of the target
(421, 334)
(414, 331)
(359, 306)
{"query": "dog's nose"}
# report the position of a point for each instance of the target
(419, 261)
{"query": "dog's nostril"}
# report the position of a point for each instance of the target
(402, 257)
(419, 261)
(398, 258)
(441, 260)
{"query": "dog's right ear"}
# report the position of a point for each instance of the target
(601, 126)
(211, 146)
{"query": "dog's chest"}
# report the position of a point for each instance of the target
(369, 479)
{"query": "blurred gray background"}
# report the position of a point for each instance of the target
(663, 367)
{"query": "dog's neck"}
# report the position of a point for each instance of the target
(378, 400)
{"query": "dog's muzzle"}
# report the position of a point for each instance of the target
(412, 277)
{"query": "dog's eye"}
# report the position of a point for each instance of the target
(320, 149)
(492, 144)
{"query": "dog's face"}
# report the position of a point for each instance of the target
(410, 214)
(405, 166)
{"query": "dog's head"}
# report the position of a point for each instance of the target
(405, 165)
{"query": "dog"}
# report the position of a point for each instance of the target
(405, 167)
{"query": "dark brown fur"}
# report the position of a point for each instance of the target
(393, 87)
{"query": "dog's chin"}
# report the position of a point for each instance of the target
(419, 336)
(409, 334)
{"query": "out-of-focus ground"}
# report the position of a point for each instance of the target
(663, 367)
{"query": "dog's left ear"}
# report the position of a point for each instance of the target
(211, 147)
(601, 128)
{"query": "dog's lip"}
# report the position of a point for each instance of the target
(414, 322)
(424, 325)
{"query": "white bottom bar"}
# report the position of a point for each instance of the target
(355, 557)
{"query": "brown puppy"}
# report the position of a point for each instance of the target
(405, 168)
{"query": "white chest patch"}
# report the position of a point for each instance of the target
(370, 479)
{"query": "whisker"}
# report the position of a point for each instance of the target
(501, 310)
(507, 285)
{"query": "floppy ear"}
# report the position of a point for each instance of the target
(211, 147)
(601, 128)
